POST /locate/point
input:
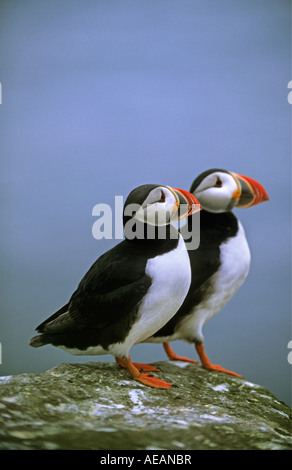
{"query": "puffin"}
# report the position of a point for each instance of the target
(133, 289)
(219, 265)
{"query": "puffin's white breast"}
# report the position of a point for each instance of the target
(171, 278)
(235, 263)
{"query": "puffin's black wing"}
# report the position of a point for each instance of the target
(109, 292)
(216, 229)
(55, 315)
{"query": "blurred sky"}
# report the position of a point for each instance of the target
(101, 96)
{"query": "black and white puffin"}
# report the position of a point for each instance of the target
(221, 262)
(133, 289)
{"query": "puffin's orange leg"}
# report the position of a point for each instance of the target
(141, 367)
(207, 364)
(143, 378)
(172, 356)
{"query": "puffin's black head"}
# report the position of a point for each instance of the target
(220, 190)
(158, 205)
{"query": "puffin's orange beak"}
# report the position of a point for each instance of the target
(249, 192)
(184, 197)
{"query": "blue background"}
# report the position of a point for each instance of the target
(101, 96)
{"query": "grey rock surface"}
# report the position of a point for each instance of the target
(98, 406)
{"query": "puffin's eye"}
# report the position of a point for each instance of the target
(162, 197)
(218, 183)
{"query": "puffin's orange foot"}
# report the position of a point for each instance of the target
(153, 381)
(139, 366)
(183, 359)
(143, 378)
(208, 365)
(172, 356)
(221, 369)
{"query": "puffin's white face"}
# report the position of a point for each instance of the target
(159, 208)
(218, 192)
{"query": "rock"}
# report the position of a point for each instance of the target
(98, 406)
